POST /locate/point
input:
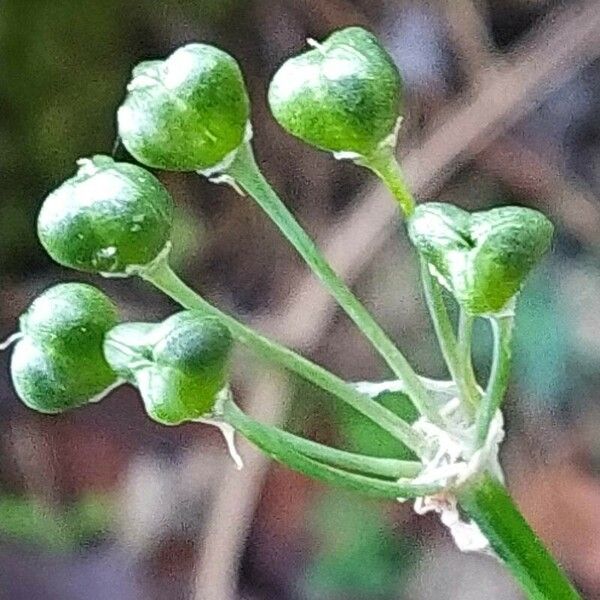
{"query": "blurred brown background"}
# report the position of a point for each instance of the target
(503, 106)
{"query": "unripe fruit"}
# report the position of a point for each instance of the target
(59, 362)
(483, 258)
(186, 113)
(179, 365)
(343, 96)
(71, 318)
(111, 217)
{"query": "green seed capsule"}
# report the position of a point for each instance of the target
(109, 218)
(186, 113)
(192, 343)
(179, 365)
(482, 258)
(171, 397)
(343, 96)
(70, 318)
(59, 363)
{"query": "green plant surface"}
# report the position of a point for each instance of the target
(108, 218)
(57, 362)
(179, 365)
(284, 450)
(361, 435)
(483, 257)
(489, 504)
(186, 113)
(345, 95)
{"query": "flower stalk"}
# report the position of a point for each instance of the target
(485, 499)
(248, 176)
(390, 173)
(502, 327)
(465, 336)
(325, 464)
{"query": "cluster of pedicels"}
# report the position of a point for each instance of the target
(191, 112)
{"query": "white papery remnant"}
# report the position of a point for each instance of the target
(10, 340)
(452, 463)
(228, 433)
(452, 466)
(226, 429)
(466, 534)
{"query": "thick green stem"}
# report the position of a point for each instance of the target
(386, 468)
(162, 276)
(488, 503)
(280, 449)
(248, 176)
(498, 382)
